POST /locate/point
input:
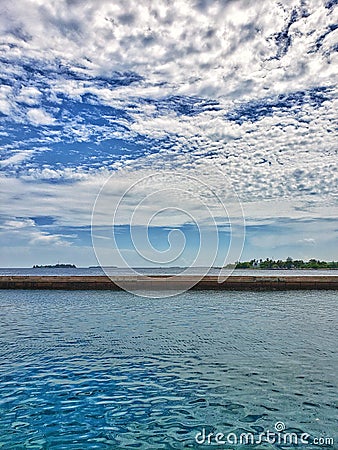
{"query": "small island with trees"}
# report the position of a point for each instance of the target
(289, 264)
(55, 266)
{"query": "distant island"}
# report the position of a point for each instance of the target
(102, 267)
(55, 266)
(289, 264)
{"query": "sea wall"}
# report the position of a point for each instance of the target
(160, 282)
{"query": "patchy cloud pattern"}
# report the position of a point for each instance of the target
(90, 88)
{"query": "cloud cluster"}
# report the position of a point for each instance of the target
(99, 87)
(24, 231)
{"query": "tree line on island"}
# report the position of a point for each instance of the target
(289, 263)
(55, 266)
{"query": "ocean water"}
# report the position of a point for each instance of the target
(95, 271)
(106, 370)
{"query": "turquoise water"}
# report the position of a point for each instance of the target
(106, 370)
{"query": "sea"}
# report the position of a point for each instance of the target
(108, 370)
(115, 271)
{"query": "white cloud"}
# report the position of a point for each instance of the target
(5, 103)
(21, 230)
(29, 95)
(43, 238)
(17, 157)
(17, 223)
(38, 116)
(309, 241)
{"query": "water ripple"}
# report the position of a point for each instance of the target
(104, 370)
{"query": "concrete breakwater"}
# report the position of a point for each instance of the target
(161, 282)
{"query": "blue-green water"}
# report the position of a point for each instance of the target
(106, 370)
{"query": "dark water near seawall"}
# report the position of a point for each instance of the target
(107, 370)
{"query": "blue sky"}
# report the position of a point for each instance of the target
(238, 98)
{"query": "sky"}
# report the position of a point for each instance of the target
(167, 132)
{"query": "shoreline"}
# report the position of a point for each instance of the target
(163, 282)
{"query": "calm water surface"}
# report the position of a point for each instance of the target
(95, 271)
(107, 370)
